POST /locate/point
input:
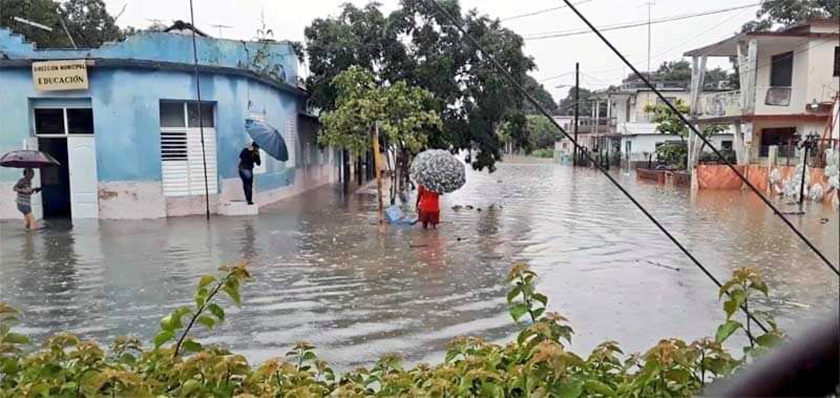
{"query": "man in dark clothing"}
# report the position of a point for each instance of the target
(249, 156)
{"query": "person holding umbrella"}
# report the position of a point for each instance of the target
(436, 172)
(26, 159)
(249, 156)
(428, 207)
(24, 191)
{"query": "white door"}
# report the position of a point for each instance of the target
(37, 206)
(84, 192)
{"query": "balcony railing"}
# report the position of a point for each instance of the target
(723, 104)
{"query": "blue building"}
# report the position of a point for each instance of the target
(123, 121)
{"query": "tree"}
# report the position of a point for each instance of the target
(586, 100)
(529, 133)
(668, 122)
(404, 115)
(674, 72)
(543, 97)
(418, 45)
(87, 21)
(788, 12)
(356, 37)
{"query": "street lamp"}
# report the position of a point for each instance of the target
(814, 105)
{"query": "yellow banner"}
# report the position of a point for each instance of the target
(60, 75)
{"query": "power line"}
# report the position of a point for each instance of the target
(634, 24)
(531, 14)
(706, 142)
(578, 147)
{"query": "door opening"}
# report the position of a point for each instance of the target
(55, 181)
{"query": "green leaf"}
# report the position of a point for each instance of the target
(192, 346)
(768, 340)
(595, 386)
(15, 338)
(201, 297)
(518, 310)
(726, 329)
(571, 389)
(206, 280)
(191, 386)
(513, 293)
(309, 356)
(206, 321)
(450, 355)
(678, 375)
(163, 337)
(216, 310)
(538, 312)
(541, 298)
(233, 293)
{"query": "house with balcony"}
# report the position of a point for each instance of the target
(593, 133)
(637, 135)
(789, 79)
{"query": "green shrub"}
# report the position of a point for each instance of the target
(543, 153)
(536, 363)
(674, 155)
(712, 158)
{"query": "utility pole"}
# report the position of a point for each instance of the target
(577, 94)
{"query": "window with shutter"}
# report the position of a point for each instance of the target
(182, 156)
(291, 141)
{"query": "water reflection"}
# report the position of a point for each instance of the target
(323, 273)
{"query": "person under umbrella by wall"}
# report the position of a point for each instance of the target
(249, 156)
(428, 207)
(24, 191)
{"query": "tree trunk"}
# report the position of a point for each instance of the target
(378, 173)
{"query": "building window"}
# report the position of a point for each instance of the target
(781, 70)
(181, 151)
(837, 61)
(727, 145)
(63, 121)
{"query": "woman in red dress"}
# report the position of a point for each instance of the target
(428, 207)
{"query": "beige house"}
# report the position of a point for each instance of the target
(788, 82)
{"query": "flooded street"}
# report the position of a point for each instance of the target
(323, 274)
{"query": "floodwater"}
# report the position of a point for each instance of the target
(323, 274)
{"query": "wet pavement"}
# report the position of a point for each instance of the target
(323, 274)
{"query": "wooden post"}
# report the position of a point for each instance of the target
(378, 171)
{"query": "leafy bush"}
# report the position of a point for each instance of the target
(537, 363)
(543, 153)
(711, 158)
(673, 155)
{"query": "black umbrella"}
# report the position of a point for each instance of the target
(268, 138)
(27, 159)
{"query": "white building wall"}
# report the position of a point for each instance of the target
(822, 86)
(799, 81)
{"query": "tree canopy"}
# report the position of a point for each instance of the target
(543, 97)
(787, 12)
(404, 114)
(87, 21)
(418, 45)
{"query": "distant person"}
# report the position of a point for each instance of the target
(24, 198)
(249, 156)
(428, 207)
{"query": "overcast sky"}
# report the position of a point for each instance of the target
(555, 56)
